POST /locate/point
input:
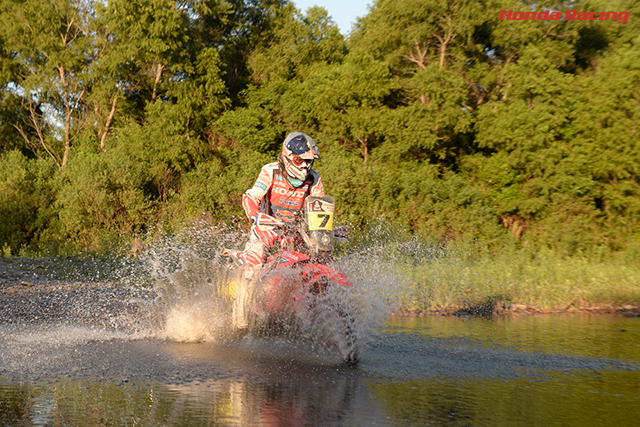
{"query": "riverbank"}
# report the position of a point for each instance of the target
(456, 282)
(463, 282)
(500, 309)
(90, 270)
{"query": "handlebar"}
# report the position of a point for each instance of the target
(267, 223)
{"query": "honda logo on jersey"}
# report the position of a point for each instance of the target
(284, 192)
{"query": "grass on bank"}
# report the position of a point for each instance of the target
(520, 279)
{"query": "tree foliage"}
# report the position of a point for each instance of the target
(117, 116)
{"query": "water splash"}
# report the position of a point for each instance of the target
(198, 295)
(180, 289)
(195, 288)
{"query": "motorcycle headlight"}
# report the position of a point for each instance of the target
(322, 240)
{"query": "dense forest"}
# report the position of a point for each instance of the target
(118, 117)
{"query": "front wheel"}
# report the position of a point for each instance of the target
(349, 350)
(333, 326)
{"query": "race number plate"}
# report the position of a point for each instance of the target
(320, 215)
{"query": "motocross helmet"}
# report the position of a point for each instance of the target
(298, 153)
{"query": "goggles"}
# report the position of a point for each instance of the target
(299, 161)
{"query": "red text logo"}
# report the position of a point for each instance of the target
(570, 15)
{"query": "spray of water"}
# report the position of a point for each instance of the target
(199, 296)
(194, 286)
(181, 289)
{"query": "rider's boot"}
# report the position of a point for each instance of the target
(239, 317)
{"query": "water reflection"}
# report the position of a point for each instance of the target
(433, 371)
(588, 335)
(606, 399)
(568, 400)
(321, 401)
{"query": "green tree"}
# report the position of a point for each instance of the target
(607, 140)
(48, 43)
(525, 129)
(27, 194)
(413, 34)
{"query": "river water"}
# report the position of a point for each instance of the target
(150, 346)
(564, 370)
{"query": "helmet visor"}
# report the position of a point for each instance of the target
(300, 162)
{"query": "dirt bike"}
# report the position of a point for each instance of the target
(299, 288)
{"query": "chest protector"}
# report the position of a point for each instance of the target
(283, 201)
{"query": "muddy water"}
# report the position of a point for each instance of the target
(548, 370)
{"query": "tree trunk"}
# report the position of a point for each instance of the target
(108, 123)
(365, 149)
(157, 81)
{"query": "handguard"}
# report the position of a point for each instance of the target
(267, 222)
(341, 234)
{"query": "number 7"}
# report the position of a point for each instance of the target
(325, 219)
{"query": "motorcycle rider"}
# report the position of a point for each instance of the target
(280, 191)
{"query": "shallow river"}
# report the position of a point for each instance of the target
(565, 370)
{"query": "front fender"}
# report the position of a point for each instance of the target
(314, 271)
